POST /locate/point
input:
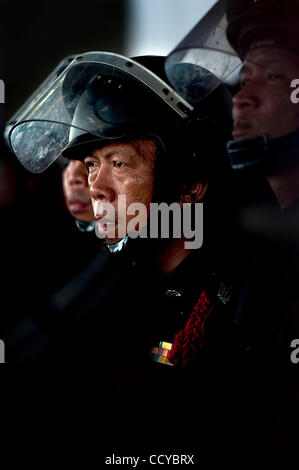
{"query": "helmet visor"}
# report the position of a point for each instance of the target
(99, 94)
(208, 58)
(34, 97)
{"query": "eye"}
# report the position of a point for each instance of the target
(244, 82)
(89, 164)
(117, 164)
(274, 76)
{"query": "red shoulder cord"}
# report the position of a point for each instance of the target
(189, 340)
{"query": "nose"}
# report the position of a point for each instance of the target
(100, 185)
(247, 98)
(76, 174)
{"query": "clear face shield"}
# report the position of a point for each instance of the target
(34, 97)
(98, 97)
(206, 56)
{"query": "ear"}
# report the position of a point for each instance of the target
(193, 193)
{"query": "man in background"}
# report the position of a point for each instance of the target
(76, 191)
(265, 156)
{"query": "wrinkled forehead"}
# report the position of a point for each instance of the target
(272, 58)
(145, 148)
(112, 149)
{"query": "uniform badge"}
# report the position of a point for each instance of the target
(224, 293)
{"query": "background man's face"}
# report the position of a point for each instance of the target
(263, 105)
(76, 191)
(121, 169)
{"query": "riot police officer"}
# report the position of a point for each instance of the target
(142, 139)
(264, 153)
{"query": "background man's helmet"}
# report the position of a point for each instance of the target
(207, 47)
(262, 23)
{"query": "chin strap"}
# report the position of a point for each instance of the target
(246, 153)
(85, 226)
(118, 246)
(112, 247)
(271, 154)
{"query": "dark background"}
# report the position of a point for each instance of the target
(35, 36)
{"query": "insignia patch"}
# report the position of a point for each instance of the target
(224, 293)
(160, 353)
(173, 293)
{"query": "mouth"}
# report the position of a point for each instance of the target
(77, 205)
(105, 227)
(241, 129)
(104, 219)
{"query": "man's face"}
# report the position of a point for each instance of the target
(117, 170)
(76, 191)
(263, 105)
